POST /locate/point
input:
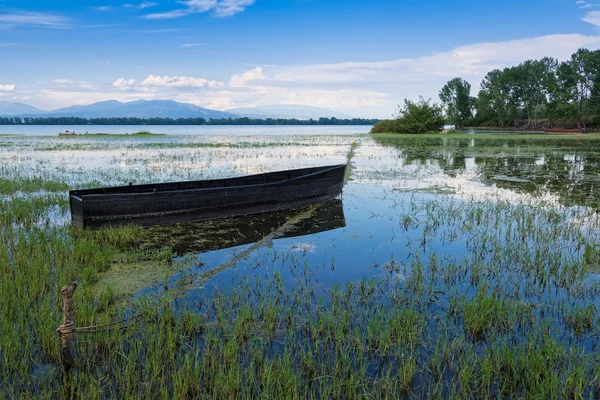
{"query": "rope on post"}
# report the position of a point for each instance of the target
(65, 331)
(94, 328)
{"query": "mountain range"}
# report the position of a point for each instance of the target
(13, 109)
(165, 109)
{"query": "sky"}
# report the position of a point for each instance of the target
(361, 58)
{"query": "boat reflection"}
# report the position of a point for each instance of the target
(220, 234)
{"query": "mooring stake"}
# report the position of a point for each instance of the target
(65, 331)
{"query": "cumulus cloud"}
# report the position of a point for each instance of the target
(369, 89)
(7, 88)
(123, 83)
(242, 80)
(23, 18)
(180, 82)
(219, 8)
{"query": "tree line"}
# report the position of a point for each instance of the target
(180, 121)
(535, 94)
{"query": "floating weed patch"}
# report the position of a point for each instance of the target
(133, 272)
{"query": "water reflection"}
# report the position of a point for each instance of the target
(565, 168)
(231, 232)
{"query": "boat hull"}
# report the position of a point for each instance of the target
(171, 203)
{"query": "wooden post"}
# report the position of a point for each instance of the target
(65, 331)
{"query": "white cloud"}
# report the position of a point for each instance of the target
(470, 61)
(7, 88)
(242, 80)
(185, 45)
(180, 82)
(220, 8)
(227, 8)
(584, 4)
(592, 17)
(168, 15)
(200, 5)
(74, 84)
(369, 89)
(141, 6)
(23, 18)
(123, 83)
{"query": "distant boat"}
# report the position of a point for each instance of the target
(66, 133)
(171, 203)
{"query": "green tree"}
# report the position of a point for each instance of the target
(537, 79)
(586, 65)
(493, 101)
(414, 117)
(456, 97)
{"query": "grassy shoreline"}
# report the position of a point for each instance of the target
(520, 135)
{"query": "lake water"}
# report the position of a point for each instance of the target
(53, 130)
(491, 242)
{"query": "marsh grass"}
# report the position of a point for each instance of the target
(479, 299)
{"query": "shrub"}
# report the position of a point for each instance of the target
(415, 117)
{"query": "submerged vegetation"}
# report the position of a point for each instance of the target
(487, 289)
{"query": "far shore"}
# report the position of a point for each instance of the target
(461, 134)
(532, 131)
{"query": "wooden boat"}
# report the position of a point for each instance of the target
(171, 203)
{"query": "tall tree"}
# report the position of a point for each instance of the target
(537, 78)
(494, 106)
(456, 97)
(585, 65)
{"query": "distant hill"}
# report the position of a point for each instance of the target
(168, 109)
(287, 111)
(9, 108)
(140, 109)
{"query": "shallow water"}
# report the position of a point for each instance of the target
(431, 222)
(53, 130)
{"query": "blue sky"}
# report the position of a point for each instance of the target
(357, 57)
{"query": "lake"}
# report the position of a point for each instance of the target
(53, 130)
(463, 265)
